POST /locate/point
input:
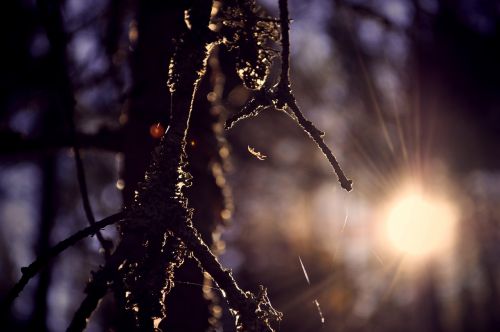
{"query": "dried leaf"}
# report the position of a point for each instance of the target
(256, 153)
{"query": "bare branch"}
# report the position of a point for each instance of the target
(80, 171)
(52, 20)
(89, 304)
(252, 108)
(254, 313)
(30, 271)
(96, 290)
(283, 98)
(284, 95)
(317, 136)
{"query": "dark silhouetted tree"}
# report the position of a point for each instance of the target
(158, 229)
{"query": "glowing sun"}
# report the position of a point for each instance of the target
(420, 226)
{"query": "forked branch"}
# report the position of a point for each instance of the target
(282, 98)
(253, 313)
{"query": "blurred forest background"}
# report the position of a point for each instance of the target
(406, 91)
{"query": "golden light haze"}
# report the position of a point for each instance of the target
(419, 225)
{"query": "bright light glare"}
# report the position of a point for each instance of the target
(420, 226)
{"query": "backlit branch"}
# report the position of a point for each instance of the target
(317, 137)
(282, 98)
(252, 108)
(160, 213)
(254, 313)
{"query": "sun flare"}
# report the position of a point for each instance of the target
(420, 226)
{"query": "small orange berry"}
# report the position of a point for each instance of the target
(157, 130)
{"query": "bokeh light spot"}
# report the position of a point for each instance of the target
(420, 226)
(157, 130)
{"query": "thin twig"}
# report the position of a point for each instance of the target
(283, 98)
(58, 38)
(285, 95)
(252, 108)
(106, 244)
(30, 271)
(317, 136)
(80, 171)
